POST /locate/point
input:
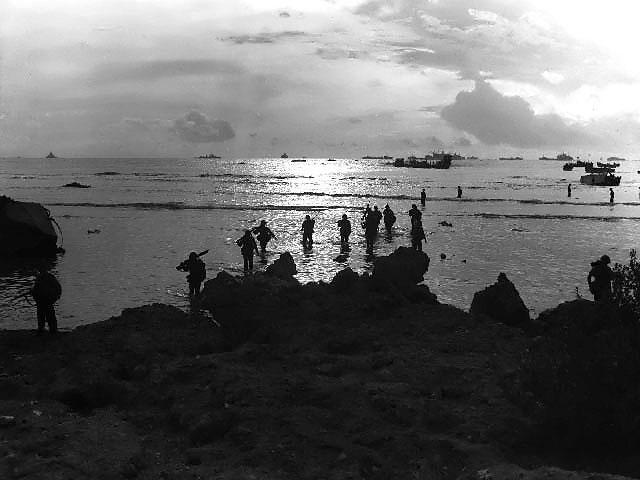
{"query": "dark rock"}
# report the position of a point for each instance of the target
(404, 266)
(501, 302)
(76, 185)
(284, 267)
(25, 229)
(444, 223)
(345, 280)
(221, 291)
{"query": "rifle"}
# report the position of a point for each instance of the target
(183, 264)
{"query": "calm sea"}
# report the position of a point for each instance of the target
(146, 215)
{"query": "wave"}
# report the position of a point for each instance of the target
(249, 176)
(186, 206)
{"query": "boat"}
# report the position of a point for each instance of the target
(600, 179)
(331, 160)
(26, 229)
(608, 164)
(510, 158)
(589, 168)
(51, 155)
(567, 167)
(209, 155)
(439, 160)
(298, 160)
(563, 157)
(615, 159)
(284, 155)
(377, 157)
(472, 157)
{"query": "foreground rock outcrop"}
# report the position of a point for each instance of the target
(501, 302)
(26, 229)
(332, 381)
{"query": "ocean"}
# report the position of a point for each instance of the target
(141, 217)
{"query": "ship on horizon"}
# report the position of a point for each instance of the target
(51, 155)
(208, 155)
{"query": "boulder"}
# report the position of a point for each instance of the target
(501, 302)
(345, 280)
(26, 229)
(404, 266)
(222, 291)
(284, 267)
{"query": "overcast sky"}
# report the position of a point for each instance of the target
(319, 77)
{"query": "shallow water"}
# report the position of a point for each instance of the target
(514, 217)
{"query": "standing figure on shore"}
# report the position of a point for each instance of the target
(415, 214)
(569, 190)
(196, 271)
(417, 234)
(264, 234)
(345, 229)
(599, 279)
(307, 232)
(46, 291)
(459, 191)
(247, 246)
(423, 198)
(389, 218)
(611, 195)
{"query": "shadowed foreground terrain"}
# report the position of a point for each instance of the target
(365, 378)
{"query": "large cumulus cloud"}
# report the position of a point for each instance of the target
(497, 119)
(198, 128)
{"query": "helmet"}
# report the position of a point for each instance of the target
(263, 222)
(307, 217)
(193, 255)
(344, 215)
(605, 259)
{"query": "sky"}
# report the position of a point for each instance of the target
(327, 78)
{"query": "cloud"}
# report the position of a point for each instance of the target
(160, 69)
(434, 142)
(462, 142)
(497, 119)
(269, 37)
(198, 128)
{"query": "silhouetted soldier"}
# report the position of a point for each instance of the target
(459, 191)
(345, 229)
(370, 232)
(423, 197)
(376, 217)
(307, 232)
(389, 217)
(197, 271)
(264, 234)
(417, 234)
(415, 214)
(569, 190)
(46, 291)
(365, 215)
(611, 195)
(599, 279)
(247, 246)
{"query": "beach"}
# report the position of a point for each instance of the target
(140, 218)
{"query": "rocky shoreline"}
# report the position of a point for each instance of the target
(366, 377)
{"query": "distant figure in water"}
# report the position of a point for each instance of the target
(599, 279)
(370, 231)
(611, 195)
(247, 246)
(389, 218)
(263, 234)
(459, 191)
(417, 234)
(569, 190)
(345, 229)
(46, 291)
(197, 272)
(415, 214)
(423, 198)
(307, 232)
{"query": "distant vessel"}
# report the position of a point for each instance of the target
(589, 168)
(331, 160)
(439, 160)
(608, 164)
(298, 160)
(567, 167)
(383, 157)
(51, 155)
(563, 157)
(615, 159)
(600, 179)
(472, 157)
(510, 158)
(284, 155)
(209, 155)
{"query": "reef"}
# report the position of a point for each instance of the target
(365, 377)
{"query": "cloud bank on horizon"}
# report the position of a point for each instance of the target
(320, 77)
